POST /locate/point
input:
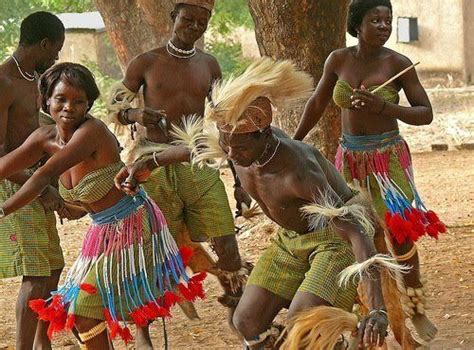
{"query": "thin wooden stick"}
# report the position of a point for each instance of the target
(395, 77)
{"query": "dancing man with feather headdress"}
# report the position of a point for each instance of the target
(325, 226)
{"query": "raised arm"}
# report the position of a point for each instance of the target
(81, 146)
(317, 103)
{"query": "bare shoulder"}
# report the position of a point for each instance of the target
(337, 59)
(340, 55)
(7, 87)
(211, 62)
(302, 153)
(97, 126)
(397, 59)
(144, 61)
(43, 134)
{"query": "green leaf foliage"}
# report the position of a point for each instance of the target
(227, 16)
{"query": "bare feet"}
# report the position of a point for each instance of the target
(425, 329)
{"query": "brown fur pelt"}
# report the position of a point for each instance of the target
(318, 328)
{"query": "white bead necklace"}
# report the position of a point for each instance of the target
(27, 76)
(186, 53)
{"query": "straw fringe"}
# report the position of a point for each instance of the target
(280, 81)
(189, 133)
(120, 98)
(326, 208)
(202, 140)
(364, 269)
(318, 328)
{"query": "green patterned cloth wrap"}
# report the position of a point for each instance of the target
(93, 186)
(193, 197)
(29, 241)
(309, 262)
(343, 91)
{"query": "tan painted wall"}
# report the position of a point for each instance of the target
(79, 46)
(88, 45)
(440, 26)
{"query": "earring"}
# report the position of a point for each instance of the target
(48, 102)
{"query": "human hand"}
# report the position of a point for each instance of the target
(148, 117)
(241, 197)
(373, 329)
(130, 176)
(363, 99)
(50, 199)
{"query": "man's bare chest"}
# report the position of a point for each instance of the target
(174, 80)
(23, 118)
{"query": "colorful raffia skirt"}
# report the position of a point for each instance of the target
(129, 269)
(382, 164)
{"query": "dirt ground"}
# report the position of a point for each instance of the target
(445, 181)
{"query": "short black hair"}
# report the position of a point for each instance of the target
(40, 25)
(357, 11)
(74, 74)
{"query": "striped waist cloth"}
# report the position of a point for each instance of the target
(120, 210)
(370, 142)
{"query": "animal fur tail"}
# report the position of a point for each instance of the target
(366, 268)
(318, 328)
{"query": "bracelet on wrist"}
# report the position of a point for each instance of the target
(155, 159)
(125, 117)
(375, 311)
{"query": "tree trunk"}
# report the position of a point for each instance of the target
(136, 26)
(305, 31)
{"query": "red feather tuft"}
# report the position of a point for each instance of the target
(441, 227)
(199, 277)
(398, 228)
(108, 317)
(37, 305)
(388, 218)
(71, 320)
(432, 217)
(126, 335)
(186, 293)
(115, 330)
(138, 318)
(170, 299)
(432, 231)
(196, 289)
(163, 312)
(88, 288)
(186, 254)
